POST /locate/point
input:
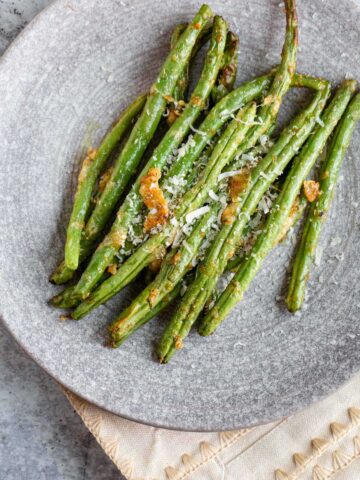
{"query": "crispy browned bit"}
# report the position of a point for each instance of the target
(159, 252)
(155, 219)
(154, 199)
(173, 115)
(197, 101)
(289, 221)
(112, 268)
(227, 74)
(104, 179)
(90, 155)
(115, 238)
(153, 296)
(115, 328)
(176, 258)
(178, 342)
(229, 214)
(311, 190)
(268, 100)
(155, 265)
(157, 258)
(169, 98)
(175, 111)
(238, 184)
(294, 208)
(231, 254)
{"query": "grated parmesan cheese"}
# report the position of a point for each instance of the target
(228, 174)
(199, 212)
(213, 195)
(200, 132)
(263, 140)
(263, 174)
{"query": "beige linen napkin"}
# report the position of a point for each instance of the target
(319, 443)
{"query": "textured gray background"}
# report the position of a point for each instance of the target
(41, 437)
(71, 91)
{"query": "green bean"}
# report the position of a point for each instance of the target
(223, 152)
(227, 76)
(174, 268)
(145, 127)
(88, 175)
(110, 245)
(280, 211)
(208, 272)
(318, 210)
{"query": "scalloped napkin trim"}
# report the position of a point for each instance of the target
(320, 443)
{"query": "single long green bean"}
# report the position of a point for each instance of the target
(317, 214)
(177, 329)
(181, 84)
(280, 211)
(175, 107)
(227, 76)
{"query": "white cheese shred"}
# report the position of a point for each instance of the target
(199, 212)
(213, 195)
(228, 174)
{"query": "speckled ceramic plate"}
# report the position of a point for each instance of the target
(62, 82)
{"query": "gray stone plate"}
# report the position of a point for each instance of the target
(62, 83)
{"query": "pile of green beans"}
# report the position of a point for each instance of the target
(213, 167)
